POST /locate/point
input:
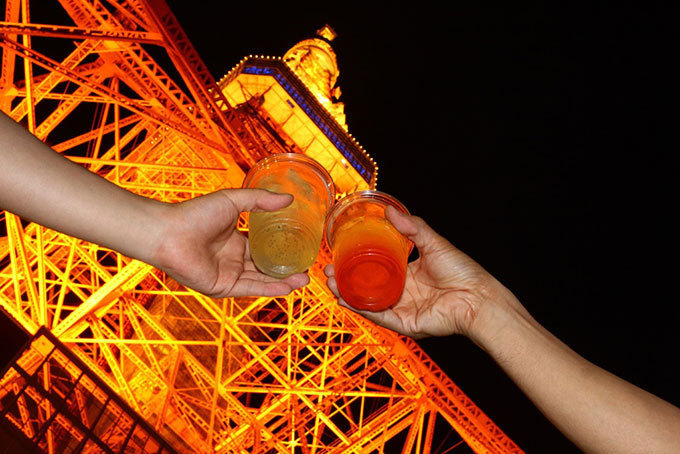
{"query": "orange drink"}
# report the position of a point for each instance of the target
(369, 254)
(287, 241)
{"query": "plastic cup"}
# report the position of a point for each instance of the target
(287, 241)
(369, 253)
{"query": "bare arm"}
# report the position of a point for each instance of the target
(42, 186)
(598, 411)
(196, 242)
(448, 293)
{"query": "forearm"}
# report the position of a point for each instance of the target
(598, 411)
(42, 186)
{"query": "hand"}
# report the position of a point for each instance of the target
(444, 289)
(202, 249)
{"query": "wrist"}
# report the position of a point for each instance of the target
(499, 314)
(152, 230)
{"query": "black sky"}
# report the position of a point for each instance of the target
(539, 140)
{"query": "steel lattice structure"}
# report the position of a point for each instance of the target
(117, 87)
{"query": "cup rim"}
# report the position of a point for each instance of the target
(299, 158)
(367, 194)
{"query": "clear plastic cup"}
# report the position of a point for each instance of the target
(369, 253)
(287, 241)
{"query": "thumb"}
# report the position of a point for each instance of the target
(416, 230)
(257, 199)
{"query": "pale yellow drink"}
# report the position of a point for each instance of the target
(287, 241)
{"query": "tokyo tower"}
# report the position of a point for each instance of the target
(121, 359)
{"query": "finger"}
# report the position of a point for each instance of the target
(296, 281)
(333, 286)
(415, 229)
(257, 199)
(329, 270)
(256, 287)
(387, 318)
(401, 221)
(247, 287)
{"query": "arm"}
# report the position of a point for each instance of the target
(42, 186)
(447, 293)
(195, 242)
(598, 411)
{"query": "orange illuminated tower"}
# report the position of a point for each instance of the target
(122, 358)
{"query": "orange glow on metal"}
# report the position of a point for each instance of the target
(293, 374)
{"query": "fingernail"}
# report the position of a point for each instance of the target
(389, 207)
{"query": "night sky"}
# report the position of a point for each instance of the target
(536, 139)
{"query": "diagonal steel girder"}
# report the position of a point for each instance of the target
(124, 101)
(78, 33)
(125, 280)
(52, 79)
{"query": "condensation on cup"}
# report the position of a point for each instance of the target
(287, 241)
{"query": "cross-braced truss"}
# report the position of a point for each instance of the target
(117, 87)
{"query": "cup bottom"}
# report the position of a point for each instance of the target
(370, 279)
(282, 248)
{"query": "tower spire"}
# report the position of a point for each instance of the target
(314, 61)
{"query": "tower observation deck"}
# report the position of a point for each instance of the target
(121, 358)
